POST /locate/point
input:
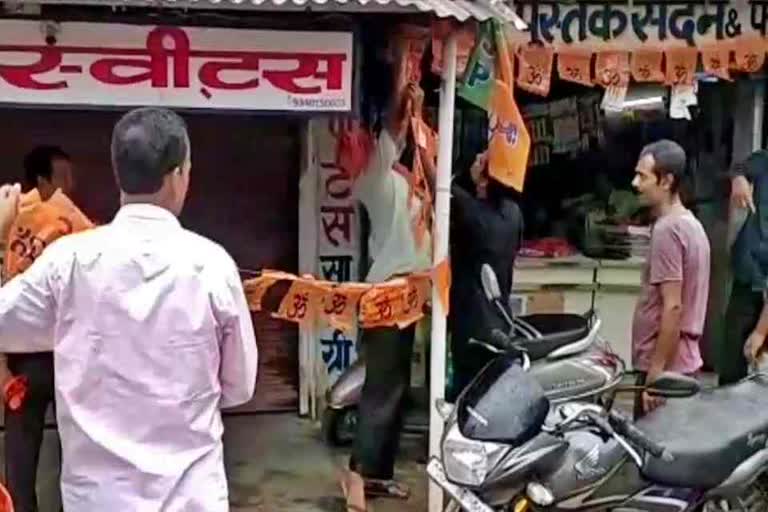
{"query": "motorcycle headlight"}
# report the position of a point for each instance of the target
(467, 462)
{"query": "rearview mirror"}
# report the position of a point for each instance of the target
(674, 385)
(444, 409)
(490, 283)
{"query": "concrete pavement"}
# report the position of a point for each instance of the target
(275, 463)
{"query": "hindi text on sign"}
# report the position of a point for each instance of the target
(625, 26)
(263, 72)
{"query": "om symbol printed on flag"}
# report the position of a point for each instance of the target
(508, 140)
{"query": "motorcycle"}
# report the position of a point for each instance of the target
(561, 347)
(507, 448)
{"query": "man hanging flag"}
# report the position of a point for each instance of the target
(508, 141)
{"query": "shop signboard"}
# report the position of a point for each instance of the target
(629, 26)
(115, 65)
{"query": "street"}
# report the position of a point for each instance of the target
(275, 462)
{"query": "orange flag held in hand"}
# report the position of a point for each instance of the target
(509, 143)
(38, 224)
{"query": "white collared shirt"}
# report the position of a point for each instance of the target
(385, 194)
(151, 336)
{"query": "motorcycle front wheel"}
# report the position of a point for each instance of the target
(754, 499)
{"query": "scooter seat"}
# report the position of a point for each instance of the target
(550, 332)
(708, 435)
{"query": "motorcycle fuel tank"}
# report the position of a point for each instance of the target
(541, 455)
(578, 377)
(590, 457)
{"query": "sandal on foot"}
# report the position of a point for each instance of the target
(386, 489)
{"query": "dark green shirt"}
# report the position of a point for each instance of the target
(749, 255)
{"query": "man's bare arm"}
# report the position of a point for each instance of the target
(669, 331)
(756, 340)
(742, 178)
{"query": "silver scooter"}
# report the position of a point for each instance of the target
(562, 347)
(515, 451)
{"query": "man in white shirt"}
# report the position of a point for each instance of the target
(151, 336)
(395, 252)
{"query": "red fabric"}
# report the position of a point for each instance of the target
(6, 503)
(353, 148)
(547, 248)
(15, 392)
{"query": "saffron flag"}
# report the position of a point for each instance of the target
(38, 225)
(646, 66)
(508, 140)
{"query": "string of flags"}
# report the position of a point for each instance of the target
(398, 302)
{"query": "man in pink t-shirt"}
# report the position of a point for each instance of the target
(670, 313)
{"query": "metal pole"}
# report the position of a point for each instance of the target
(758, 108)
(440, 234)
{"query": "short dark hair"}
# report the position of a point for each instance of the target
(668, 159)
(38, 163)
(147, 144)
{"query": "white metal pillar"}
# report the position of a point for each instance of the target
(440, 241)
(758, 108)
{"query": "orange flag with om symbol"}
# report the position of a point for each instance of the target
(508, 141)
(38, 224)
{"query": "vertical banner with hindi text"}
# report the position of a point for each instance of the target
(338, 246)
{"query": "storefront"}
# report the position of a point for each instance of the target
(596, 82)
(69, 91)
(263, 97)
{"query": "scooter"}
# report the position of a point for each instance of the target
(561, 347)
(516, 451)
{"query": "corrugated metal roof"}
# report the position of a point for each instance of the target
(461, 10)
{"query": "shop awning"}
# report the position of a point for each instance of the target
(462, 10)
